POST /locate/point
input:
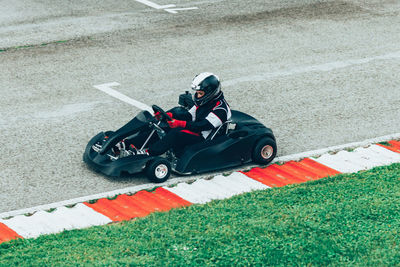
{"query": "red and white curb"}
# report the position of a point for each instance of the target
(295, 169)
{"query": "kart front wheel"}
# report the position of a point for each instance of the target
(158, 170)
(264, 151)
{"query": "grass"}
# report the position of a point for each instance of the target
(349, 219)
(385, 143)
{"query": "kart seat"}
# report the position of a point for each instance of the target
(221, 130)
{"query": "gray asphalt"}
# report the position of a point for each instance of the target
(319, 73)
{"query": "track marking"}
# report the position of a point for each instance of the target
(314, 68)
(175, 10)
(106, 88)
(154, 5)
(169, 8)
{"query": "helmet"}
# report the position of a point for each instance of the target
(210, 84)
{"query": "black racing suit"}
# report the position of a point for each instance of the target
(200, 121)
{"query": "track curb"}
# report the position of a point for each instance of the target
(133, 202)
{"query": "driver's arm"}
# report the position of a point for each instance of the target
(180, 113)
(213, 120)
(199, 126)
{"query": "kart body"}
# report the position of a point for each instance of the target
(232, 145)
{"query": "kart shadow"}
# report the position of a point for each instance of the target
(141, 178)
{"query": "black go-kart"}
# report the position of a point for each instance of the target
(240, 140)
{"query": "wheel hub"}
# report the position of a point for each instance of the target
(267, 151)
(161, 171)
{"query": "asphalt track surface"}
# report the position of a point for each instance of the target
(319, 73)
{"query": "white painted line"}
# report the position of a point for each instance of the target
(175, 10)
(174, 181)
(106, 88)
(154, 5)
(314, 68)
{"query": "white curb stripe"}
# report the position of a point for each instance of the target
(338, 162)
(242, 179)
(370, 156)
(359, 159)
(63, 218)
(230, 185)
(322, 151)
(211, 190)
(203, 191)
(187, 192)
(392, 157)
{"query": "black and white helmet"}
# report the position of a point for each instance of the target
(210, 84)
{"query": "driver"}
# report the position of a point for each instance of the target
(210, 111)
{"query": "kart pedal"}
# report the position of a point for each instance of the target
(96, 147)
(126, 153)
(113, 158)
(142, 152)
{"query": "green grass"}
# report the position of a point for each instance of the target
(385, 143)
(343, 220)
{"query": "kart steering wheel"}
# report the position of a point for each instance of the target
(164, 115)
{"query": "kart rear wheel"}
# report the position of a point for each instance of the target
(264, 151)
(158, 170)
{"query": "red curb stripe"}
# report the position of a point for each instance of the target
(162, 204)
(109, 209)
(7, 234)
(394, 146)
(136, 209)
(152, 202)
(260, 175)
(173, 203)
(317, 172)
(141, 204)
(290, 173)
(281, 176)
(395, 143)
(142, 201)
(320, 169)
(172, 197)
(279, 171)
(295, 167)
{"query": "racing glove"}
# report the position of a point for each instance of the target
(157, 115)
(177, 123)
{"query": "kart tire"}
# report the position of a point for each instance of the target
(158, 170)
(264, 151)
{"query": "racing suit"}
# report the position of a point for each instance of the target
(200, 122)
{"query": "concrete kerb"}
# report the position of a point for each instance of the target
(174, 181)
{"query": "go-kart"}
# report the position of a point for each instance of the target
(240, 140)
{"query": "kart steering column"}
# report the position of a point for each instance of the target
(152, 132)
